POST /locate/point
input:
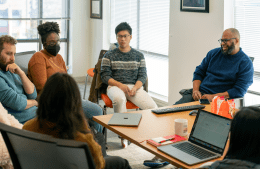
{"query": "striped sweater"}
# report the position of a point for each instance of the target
(126, 68)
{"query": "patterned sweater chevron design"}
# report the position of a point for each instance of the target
(126, 68)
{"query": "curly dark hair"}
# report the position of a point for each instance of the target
(122, 27)
(47, 28)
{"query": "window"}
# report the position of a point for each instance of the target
(246, 20)
(20, 18)
(149, 20)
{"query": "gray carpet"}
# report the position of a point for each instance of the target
(134, 154)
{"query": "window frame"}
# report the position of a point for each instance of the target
(161, 96)
(40, 19)
(256, 76)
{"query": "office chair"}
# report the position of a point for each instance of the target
(75, 154)
(22, 59)
(242, 100)
(90, 73)
(32, 150)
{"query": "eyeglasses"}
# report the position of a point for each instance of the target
(122, 36)
(224, 40)
(54, 43)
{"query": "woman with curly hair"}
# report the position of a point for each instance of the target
(46, 62)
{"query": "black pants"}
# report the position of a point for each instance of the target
(187, 97)
(115, 162)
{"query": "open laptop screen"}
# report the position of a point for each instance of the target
(211, 131)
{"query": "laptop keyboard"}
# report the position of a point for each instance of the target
(193, 150)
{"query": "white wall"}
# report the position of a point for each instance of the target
(100, 33)
(88, 36)
(80, 37)
(192, 35)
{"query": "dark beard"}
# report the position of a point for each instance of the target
(229, 50)
(2, 65)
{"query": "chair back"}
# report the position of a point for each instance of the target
(22, 59)
(32, 150)
(74, 154)
(252, 59)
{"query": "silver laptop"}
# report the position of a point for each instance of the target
(125, 119)
(207, 140)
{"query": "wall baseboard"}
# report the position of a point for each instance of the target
(160, 103)
(81, 79)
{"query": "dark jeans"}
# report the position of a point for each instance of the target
(187, 97)
(115, 162)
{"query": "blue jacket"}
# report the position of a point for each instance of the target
(14, 98)
(219, 73)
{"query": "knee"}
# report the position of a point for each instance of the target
(92, 108)
(119, 100)
(151, 106)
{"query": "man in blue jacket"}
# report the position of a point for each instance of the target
(226, 71)
(17, 92)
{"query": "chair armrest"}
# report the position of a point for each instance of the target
(256, 105)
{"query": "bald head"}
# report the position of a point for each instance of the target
(234, 32)
(230, 41)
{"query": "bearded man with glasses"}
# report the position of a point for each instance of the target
(226, 71)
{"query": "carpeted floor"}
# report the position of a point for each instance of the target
(134, 154)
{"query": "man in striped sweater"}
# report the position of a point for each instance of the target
(124, 70)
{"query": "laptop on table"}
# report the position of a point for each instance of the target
(125, 119)
(207, 140)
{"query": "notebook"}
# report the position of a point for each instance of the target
(160, 141)
(207, 140)
(125, 119)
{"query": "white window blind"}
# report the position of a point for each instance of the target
(247, 21)
(149, 20)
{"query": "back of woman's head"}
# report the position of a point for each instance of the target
(245, 135)
(60, 103)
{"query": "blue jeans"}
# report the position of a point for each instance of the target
(91, 109)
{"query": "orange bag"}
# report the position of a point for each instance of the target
(223, 107)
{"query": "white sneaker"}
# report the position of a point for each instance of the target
(124, 143)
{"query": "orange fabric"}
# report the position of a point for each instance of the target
(48, 128)
(108, 102)
(224, 110)
(42, 65)
(91, 72)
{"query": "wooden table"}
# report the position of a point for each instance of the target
(152, 126)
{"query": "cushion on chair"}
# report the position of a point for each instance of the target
(108, 102)
(91, 72)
